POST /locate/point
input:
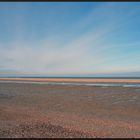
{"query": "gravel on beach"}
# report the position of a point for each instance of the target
(61, 111)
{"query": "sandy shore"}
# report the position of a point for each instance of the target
(84, 80)
(57, 111)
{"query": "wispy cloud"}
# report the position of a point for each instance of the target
(69, 52)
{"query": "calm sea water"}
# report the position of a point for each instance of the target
(76, 84)
(82, 77)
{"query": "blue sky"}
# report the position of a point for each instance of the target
(70, 39)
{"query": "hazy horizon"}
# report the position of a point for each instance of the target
(76, 39)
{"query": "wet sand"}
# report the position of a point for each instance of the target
(62, 111)
(79, 80)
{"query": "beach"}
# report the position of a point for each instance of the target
(75, 80)
(67, 111)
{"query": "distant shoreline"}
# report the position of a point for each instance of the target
(67, 77)
(79, 80)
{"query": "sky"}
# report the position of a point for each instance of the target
(69, 39)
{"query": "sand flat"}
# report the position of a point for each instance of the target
(79, 80)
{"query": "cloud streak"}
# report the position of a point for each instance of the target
(69, 52)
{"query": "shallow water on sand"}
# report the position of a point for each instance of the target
(77, 84)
